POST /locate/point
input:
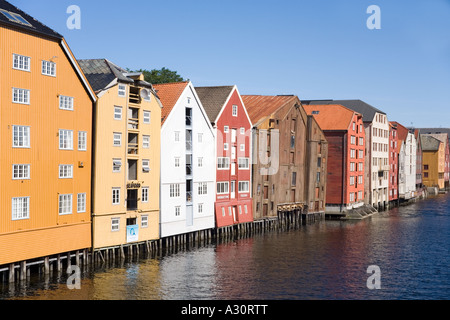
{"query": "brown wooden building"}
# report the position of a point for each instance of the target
(289, 158)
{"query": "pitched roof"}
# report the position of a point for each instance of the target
(435, 130)
(331, 116)
(169, 93)
(429, 143)
(33, 25)
(260, 107)
(101, 72)
(367, 111)
(213, 99)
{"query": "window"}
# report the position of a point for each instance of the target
(81, 202)
(82, 138)
(117, 164)
(21, 171)
(318, 177)
(235, 110)
(360, 179)
(48, 68)
(226, 129)
(425, 167)
(115, 224)
(146, 142)
(223, 211)
(352, 180)
(202, 188)
(20, 208)
(144, 221)
(115, 196)
(21, 96)
(65, 204)
(117, 113)
(354, 126)
(360, 154)
(352, 197)
(200, 162)
(243, 186)
(242, 147)
(65, 139)
(122, 90)
(223, 163)
(15, 17)
(359, 195)
(361, 141)
(243, 163)
(144, 196)
(117, 139)
(177, 162)
(352, 166)
(200, 137)
(147, 115)
(21, 137)
(65, 171)
(222, 187)
(200, 208)
(352, 140)
(225, 146)
(294, 179)
(21, 62)
(177, 136)
(145, 165)
(177, 211)
(352, 153)
(174, 190)
(242, 130)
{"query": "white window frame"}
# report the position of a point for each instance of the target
(19, 211)
(226, 129)
(122, 90)
(65, 204)
(225, 146)
(18, 131)
(81, 202)
(117, 137)
(146, 165)
(48, 68)
(234, 111)
(223, 163)
(202, 188)
(223, 187)
(117, 163)
(115, 224)
(65, 171)
(82, 140)
(174, 190)
(144, 221)
(177, 136)
(147, 116)
(241, 185)
(63, 135)
(144, 194)
(177, 162)
(21, 62)
(21, 96)
(118, 113)
(200, 162)
(246, 164)
(200, 208)
(242, 147)
(21, 172)
(115, 196)
(146, 142)
(177, 211)
(242, 131)
(66, 103)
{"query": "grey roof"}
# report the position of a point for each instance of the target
(213, 99)
(429, 143)
(36, 26)
(435, 130)
(101, 72)
(359, 106)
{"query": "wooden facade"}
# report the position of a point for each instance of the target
(393, 162)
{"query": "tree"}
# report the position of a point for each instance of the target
(160, 76)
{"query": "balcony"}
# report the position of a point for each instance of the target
(133, 144)
(133, 124)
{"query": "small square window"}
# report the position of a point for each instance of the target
(122, 91)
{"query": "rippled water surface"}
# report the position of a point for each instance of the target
(325, 260)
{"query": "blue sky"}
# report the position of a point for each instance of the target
(317, 49)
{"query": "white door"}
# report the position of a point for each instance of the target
(233, 190)
(233, 168)
(233, 153)
(233, 135)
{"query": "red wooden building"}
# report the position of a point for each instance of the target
(393, 162)
(232, 126)
(344, 131)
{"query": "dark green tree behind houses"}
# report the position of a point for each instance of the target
(163, 75)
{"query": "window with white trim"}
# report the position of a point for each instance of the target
(21, 62)
(117, 139)
(21, 171)
(222, 187)
(65, 139)
(66, 103)
(144, 196)
(122, 90)
(200, 162)
(242, 147)
(177, 136)
(242, 130)
(174, 190)
(202, 188)
(82, 140)
(81, 202)
(65, 171)
(21, 96)
(226, 129)
(200, 208)
(243, 163)
(48, 68)
(225, 146)
(117, 165)
(146, 142)
(117, 113)
(115, 196)
(145, 165)
(223, 163)
(243, 186)
(144, 221)
(146, 116)
(177, 211)
(177, 162)
(235, 111)
(65, 204)
(21, 136)
(20, 208)
(115, 224)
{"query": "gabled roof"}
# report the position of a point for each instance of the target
(101, 72)
(402, 134)
(332, 117)
(435, 130)
(33, 25)
(367, 111)
(213, 99)
(260, 107)
(169, 93)
(429, 143)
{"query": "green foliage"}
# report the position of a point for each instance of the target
(160, 76)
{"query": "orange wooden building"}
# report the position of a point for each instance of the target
(45, 142)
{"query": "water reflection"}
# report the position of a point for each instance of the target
(325, 260)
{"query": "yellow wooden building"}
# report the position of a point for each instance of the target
(45, 142)
(433, 161)
(126, 171)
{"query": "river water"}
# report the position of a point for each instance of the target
(327, 260)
